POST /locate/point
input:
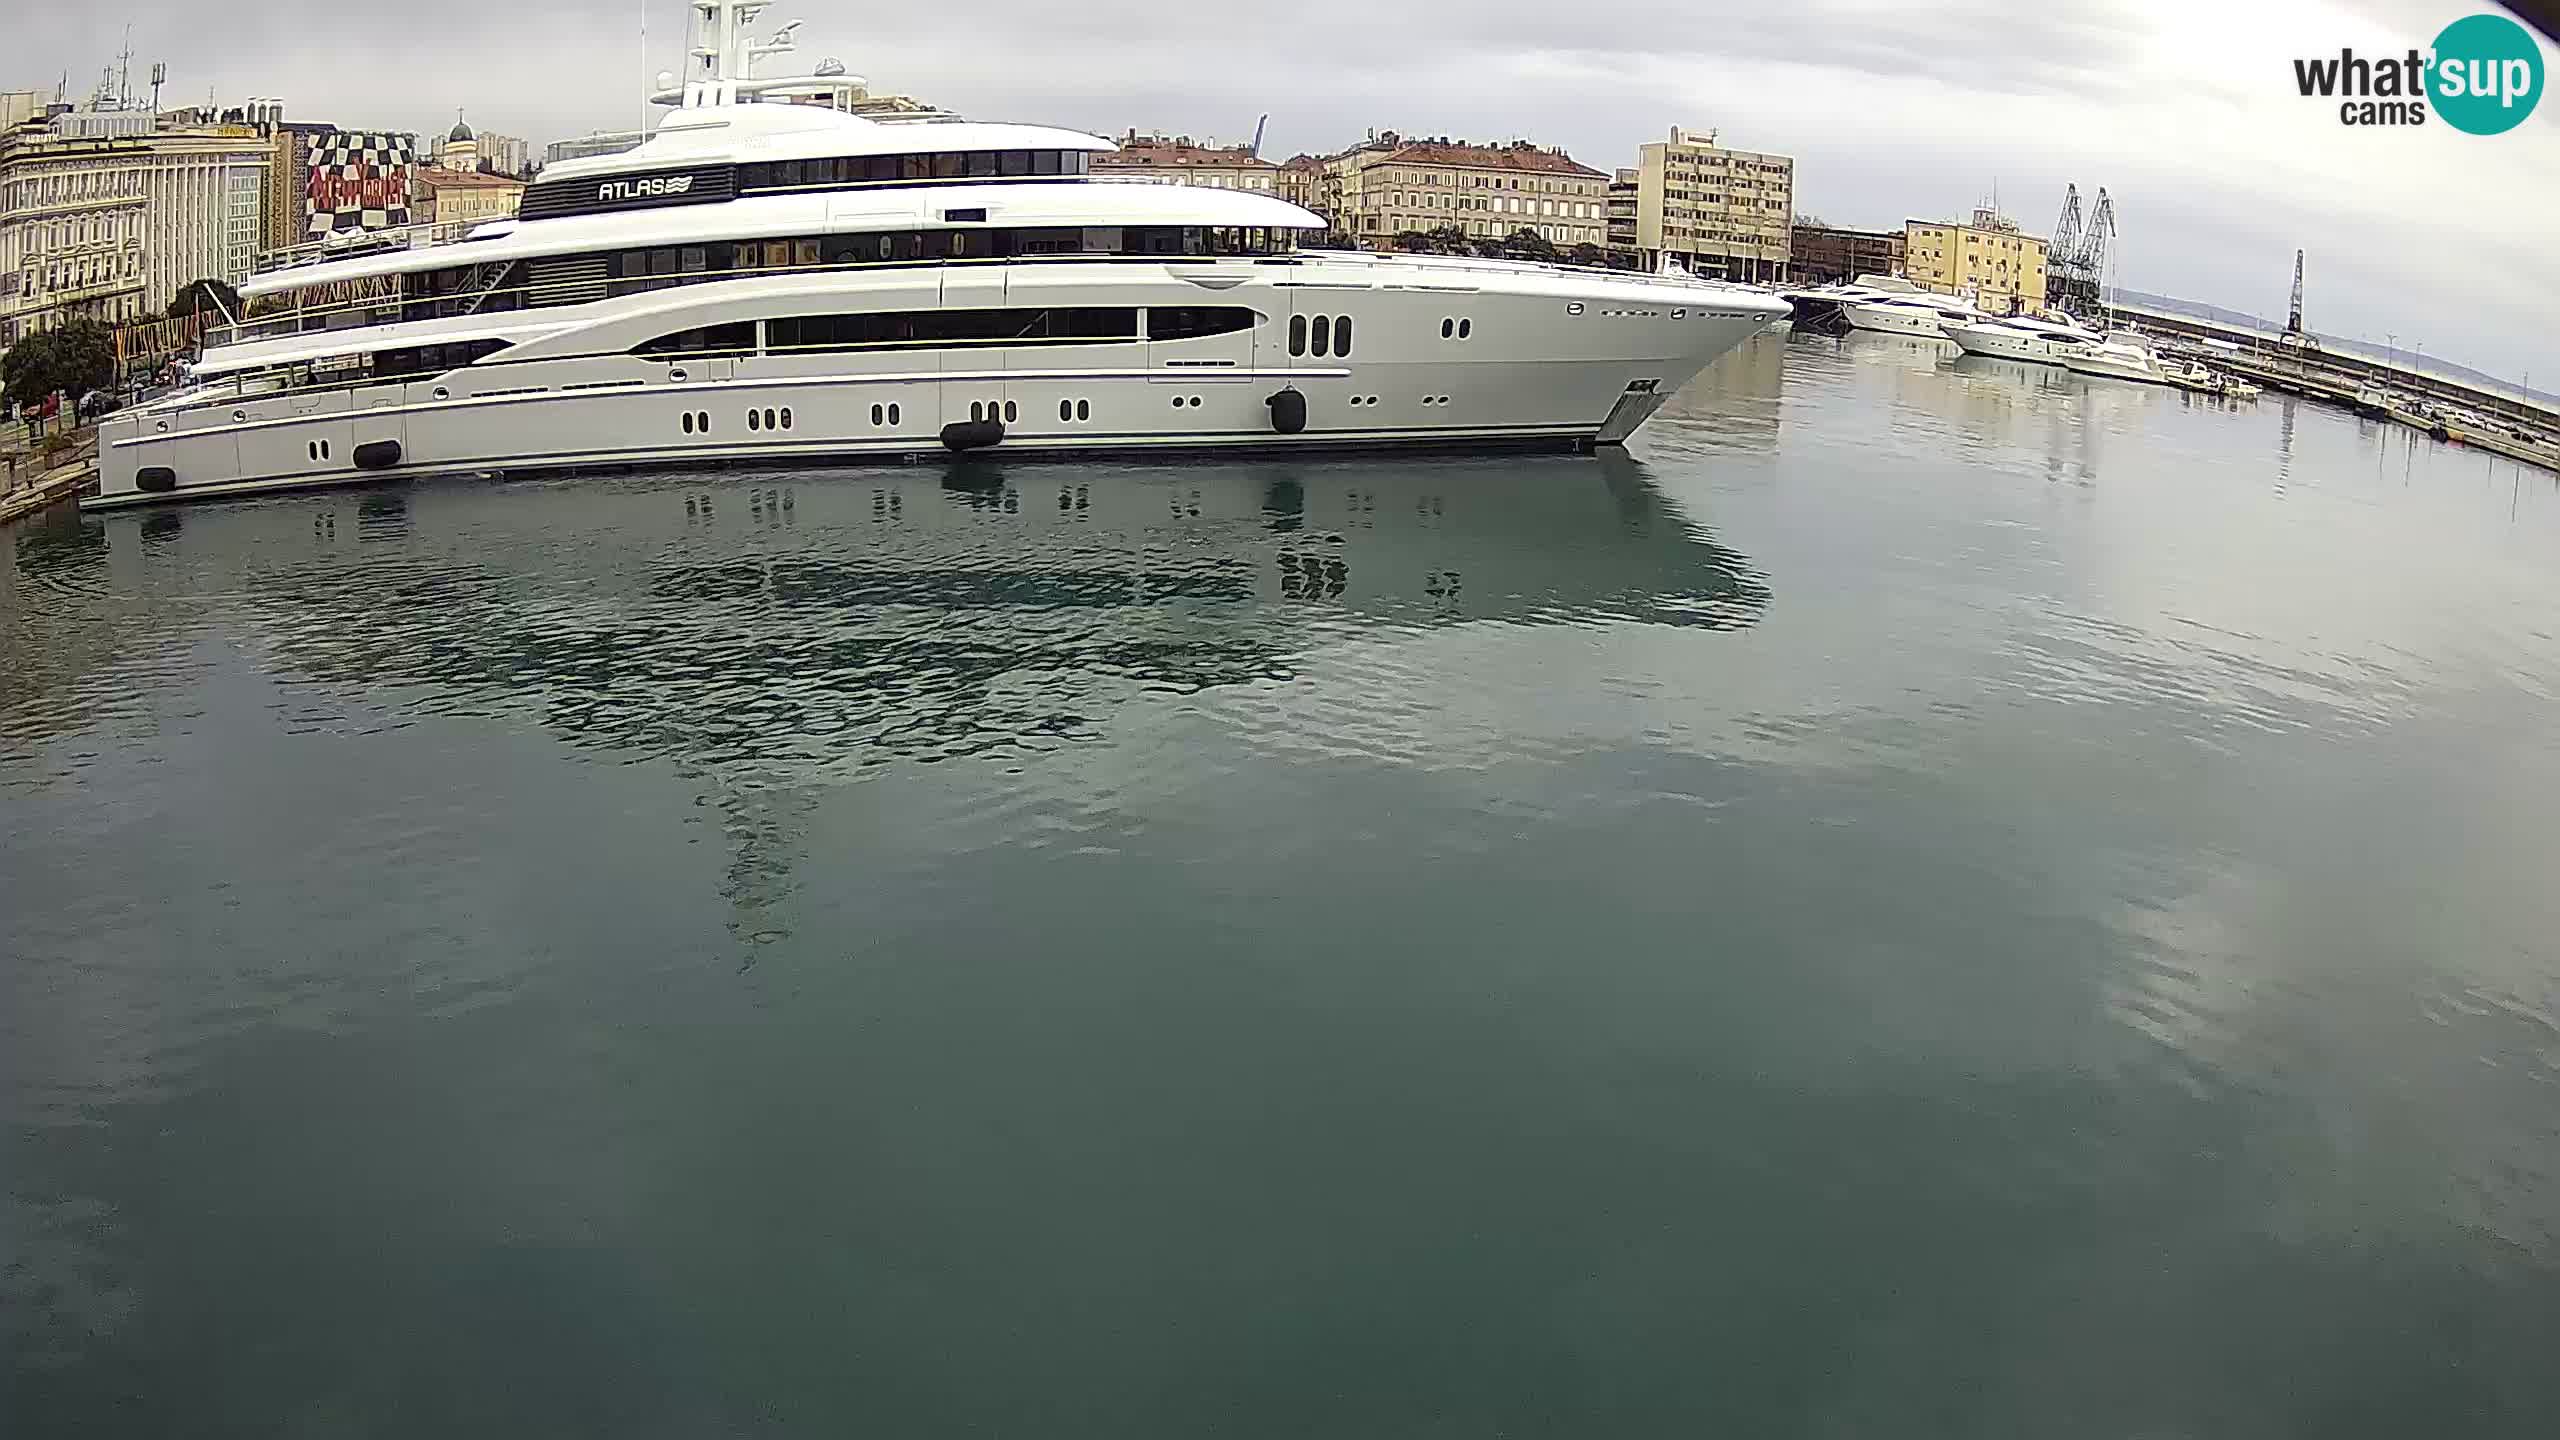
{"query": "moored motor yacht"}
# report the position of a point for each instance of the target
(2037, 340)
(1923, 315)
(2121, 356)
(772, 281)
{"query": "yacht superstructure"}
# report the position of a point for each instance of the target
(763, 280)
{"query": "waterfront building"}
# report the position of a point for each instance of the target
(1717, 211)
(357, 180)
(1390, 185)
(458, 197)
(107, 214)
(1299, 179)
(201, 217)
(280, 204)
(1987, 259)
(1827, 254)
(72, 222)
(1219, 167)
(1623, 208)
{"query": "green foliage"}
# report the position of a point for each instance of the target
(204, 295)
(74, 357)
(1527, 244)
(1587, 254)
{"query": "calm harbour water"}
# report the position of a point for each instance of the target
(1935, 898)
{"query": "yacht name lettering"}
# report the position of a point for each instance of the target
(644, 189)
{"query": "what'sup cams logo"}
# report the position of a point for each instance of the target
(2483, 76)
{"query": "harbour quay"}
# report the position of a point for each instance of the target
(2511, 422)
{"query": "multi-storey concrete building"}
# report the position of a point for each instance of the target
(1300, 177)
(1390, 186)
(202, 216)
(1220, 167)
(1624, 205)
(1824, 254)
(1717, 211)
(504, 154)
(73, 218)
(1988, 259)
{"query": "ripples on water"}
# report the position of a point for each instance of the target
(1939, 894)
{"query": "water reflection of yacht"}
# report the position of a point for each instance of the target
(1184, 576)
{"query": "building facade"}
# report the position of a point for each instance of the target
(202, 218)
(1299, 178)
(357, 180)
(73, 219)
(1716, 211)
(459, 197)
(1178, 157)
(1989, 260)
(1391, 186)
(1623, 206)
(1827, 254)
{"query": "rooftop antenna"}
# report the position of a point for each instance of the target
(124, 71)
(159, 77)
(2293, 321)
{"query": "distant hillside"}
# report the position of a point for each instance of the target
(2366, 348)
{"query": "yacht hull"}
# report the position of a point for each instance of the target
(1894, 320)
(2003, 344)
(1549, 358)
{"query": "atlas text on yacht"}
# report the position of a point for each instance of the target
(762, 280)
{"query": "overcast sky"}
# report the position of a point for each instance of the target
(2184, 109)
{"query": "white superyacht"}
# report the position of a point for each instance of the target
(793, 282)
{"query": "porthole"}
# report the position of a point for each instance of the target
(1341, 334)
(1448, 328)
(786, 417)
(977, 412)
(768, 420)
(702, 421)
(1066, 410)
(1011, 414)
(688, 422)
(1466, 328)
(752, 422)
(875, 414)
(1297, 334)
(1084, 409)
(1323, 336)
(893, 414)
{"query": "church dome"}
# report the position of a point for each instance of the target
(461, 133)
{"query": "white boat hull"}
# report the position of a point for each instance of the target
(2006, 344)
(1552, 357)
(1891, 319)
(2117, 367)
